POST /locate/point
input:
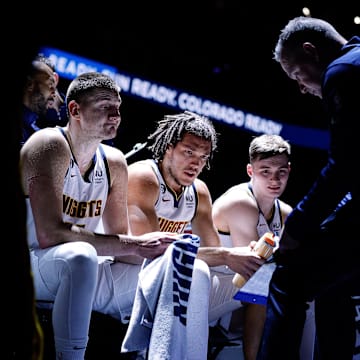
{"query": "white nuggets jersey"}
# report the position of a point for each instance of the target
(174, 211)
(274, 225)
(84, 198)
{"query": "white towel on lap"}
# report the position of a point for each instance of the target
(159, 315)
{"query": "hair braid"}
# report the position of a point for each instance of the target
(172, 128)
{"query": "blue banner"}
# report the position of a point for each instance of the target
(69, 66)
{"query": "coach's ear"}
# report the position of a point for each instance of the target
(310, 50)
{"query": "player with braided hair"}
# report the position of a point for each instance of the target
(171, 128)
(165, 193)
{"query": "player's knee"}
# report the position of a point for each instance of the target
(201, 274)
(81, 258)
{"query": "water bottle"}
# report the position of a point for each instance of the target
(264, 247)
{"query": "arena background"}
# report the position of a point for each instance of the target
(217, 49)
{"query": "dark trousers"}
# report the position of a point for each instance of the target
(324, 270)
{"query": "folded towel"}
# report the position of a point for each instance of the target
(159, 315)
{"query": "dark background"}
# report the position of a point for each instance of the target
(218, 49)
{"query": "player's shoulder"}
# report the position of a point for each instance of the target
(200, 185)
(50, 139)
(48, 133)
(285, 207)
(142, 165)
(236, 198)
(114, 157)
(142, 169)
(239, 192)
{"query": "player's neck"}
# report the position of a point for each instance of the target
(82, 150)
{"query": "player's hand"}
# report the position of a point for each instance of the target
(243, 260)
(154, 244)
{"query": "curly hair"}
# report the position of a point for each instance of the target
(172, 128)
